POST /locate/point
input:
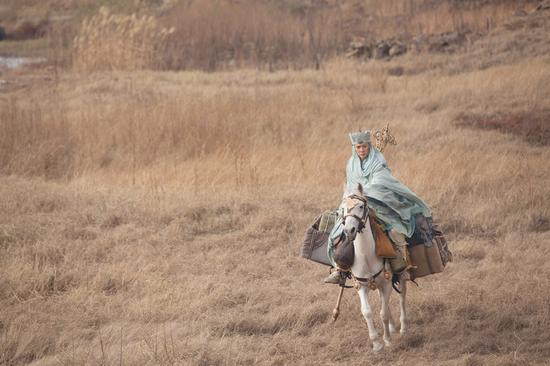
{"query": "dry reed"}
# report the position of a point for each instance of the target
(109, 41)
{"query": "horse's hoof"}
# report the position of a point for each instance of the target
(387, 343)
(377, 347)
(393, 329)
(402, 331)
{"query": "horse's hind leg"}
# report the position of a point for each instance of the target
(385, 313)
(393, 326)
(367, 314)
(402, 305)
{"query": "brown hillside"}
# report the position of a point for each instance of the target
(221, 34)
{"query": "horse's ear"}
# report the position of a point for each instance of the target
(360, 189)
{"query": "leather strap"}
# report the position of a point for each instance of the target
(362, 279)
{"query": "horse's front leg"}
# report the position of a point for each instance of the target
(402, 305)
(385, 292)
(377, 346)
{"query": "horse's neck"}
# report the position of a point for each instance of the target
(366, 261)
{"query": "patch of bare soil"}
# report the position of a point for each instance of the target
(533, 127)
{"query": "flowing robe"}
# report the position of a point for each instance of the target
(395, 204)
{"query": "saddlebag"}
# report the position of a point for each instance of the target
(430, 258)
(343, 253)
(315, 246)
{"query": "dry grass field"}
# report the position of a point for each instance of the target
(155, 217)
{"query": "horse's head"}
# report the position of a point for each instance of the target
(356, 213)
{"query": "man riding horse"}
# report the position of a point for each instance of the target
(395, 205)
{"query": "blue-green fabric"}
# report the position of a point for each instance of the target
(394, 203)
(337, 230)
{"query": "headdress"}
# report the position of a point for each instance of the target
(382, 138)
(361, 137)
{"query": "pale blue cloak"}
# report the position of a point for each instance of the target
(394, 203)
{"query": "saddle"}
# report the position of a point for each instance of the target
(384, 246)
(344, 252)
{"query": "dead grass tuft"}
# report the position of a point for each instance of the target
(471, 312)
(484, 346)
(79, 234)
(411, 341)
(6, 239)
(473, 253)
(112, 221)
(511, 323)
(251, 328)
(203, 220)
(539, 223)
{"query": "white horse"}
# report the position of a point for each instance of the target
(369, 271)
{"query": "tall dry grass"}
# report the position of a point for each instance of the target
(156, 217)
(218, 34)
(228, 131)
(222, 34)
(110, 41)
(410, 18)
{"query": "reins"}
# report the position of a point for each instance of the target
(361, 220)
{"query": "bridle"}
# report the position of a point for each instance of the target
(363, 219)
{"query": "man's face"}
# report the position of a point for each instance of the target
(362, 150)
